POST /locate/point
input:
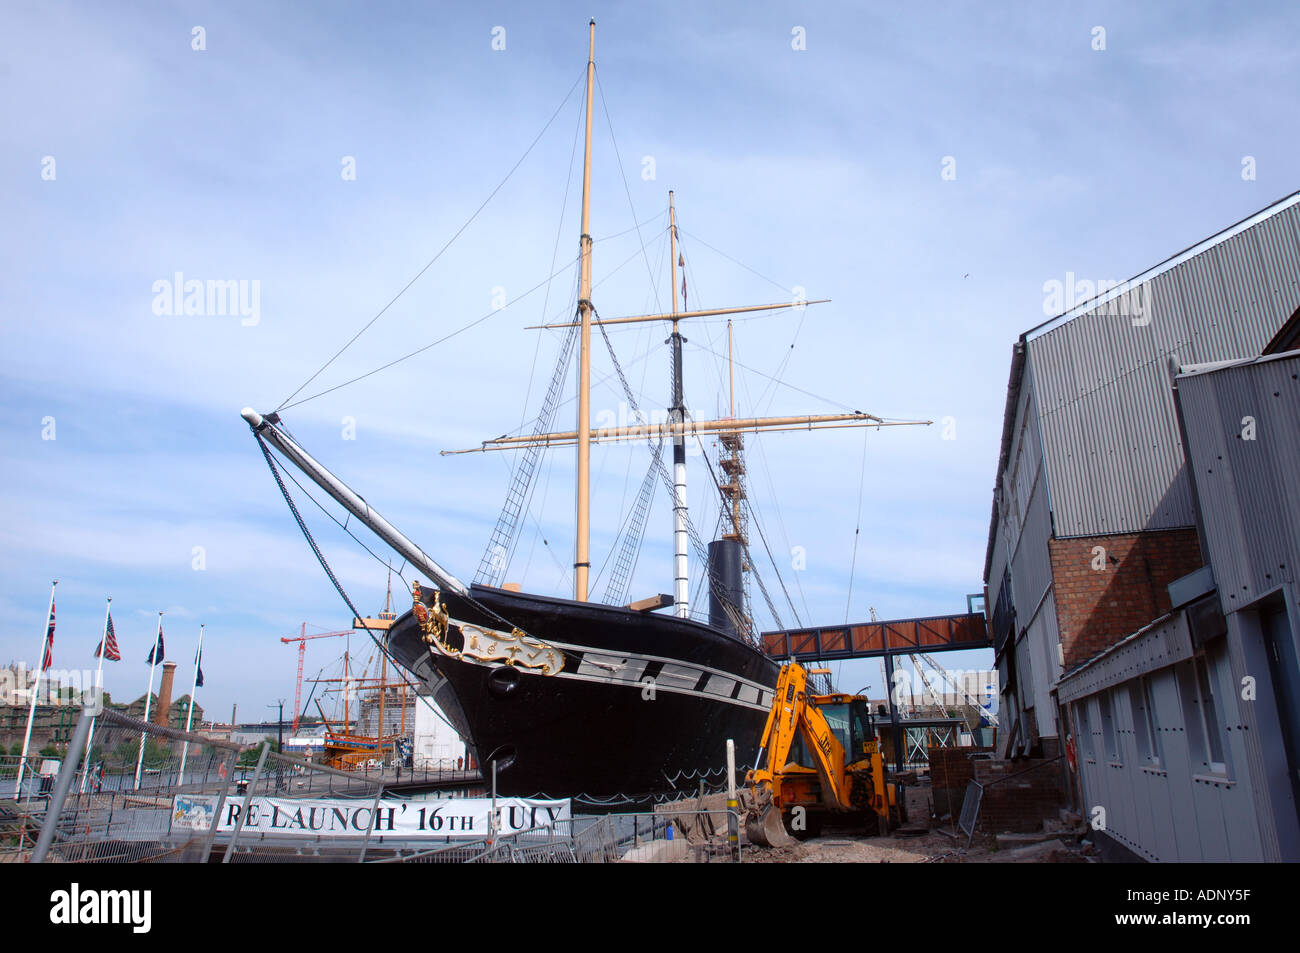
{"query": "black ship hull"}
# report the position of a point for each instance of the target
(643, 705)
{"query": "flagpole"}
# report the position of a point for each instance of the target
(31, 712)
(194, 687)
(148, 696)
(99, 687)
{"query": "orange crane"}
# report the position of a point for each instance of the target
(302, 641)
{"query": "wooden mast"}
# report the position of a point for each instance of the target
(731, 371)
(582, 557)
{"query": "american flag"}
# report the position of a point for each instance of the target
(47, 657)
(156, 653)
(108, 645)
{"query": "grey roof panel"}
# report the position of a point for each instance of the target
(1114, 457)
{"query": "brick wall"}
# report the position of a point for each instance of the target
(1095, 608)
(1023, 802)
(950, 770)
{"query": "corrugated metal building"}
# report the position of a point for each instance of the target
(1095, 514)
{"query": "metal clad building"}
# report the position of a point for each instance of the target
(1189, 730)
(1093, 451)
(1246, 456)
(1243, 437)
(1114, 461)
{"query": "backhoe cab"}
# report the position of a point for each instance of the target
(819, 755)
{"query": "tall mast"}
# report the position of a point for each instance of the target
(582, 558)
(677, 414)
(731, 461)
(731, 370)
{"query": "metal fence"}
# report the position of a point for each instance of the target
(650, 837)
(113, 801)
(188, 798)
(285, 776)
(579, 840)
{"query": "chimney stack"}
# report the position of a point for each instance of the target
(165, 694)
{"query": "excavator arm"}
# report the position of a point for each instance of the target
(847, 773)
(792, 716)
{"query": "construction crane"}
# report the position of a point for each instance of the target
(960, 691)
(302, 641)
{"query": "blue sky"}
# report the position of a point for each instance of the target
(819, 168)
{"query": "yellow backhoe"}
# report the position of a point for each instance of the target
(819, 756)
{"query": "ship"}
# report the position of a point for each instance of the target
(567, 696)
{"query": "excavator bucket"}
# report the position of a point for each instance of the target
(765, 828)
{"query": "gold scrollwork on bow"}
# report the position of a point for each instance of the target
(485, 646)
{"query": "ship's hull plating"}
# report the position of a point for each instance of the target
(644, 704)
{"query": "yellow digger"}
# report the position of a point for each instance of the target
(819, 756)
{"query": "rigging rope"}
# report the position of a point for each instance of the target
(285, 403)
(420, 350)
(501, 544)
(736, 615)
(504, 537)
(630, 550)
(753, 566)
(320, 558)
(610, 124)
(857, 526)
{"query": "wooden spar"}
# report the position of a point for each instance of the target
(742, 425)
(350, 501)
(681, 315)
(582, 558)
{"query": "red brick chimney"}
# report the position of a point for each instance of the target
(165, 694)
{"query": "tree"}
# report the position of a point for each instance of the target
(125, 751)
(249, 758)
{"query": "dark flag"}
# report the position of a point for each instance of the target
(47, 657)
(157, 652)
(108, 645)
(198, 664)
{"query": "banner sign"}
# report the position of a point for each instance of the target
(335, 817)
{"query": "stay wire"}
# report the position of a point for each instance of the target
(857, 528)
(442, 340)
(320, 558)
(338, 587)
(500, 185)
(609, 123)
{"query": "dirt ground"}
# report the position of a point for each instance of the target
(928, 848)
(917, 843)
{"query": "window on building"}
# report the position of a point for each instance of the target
(1083, 729)
(1200, 712)
(1108, 734)
(1146, 727)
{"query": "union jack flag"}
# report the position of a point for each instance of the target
(47, 657)
(108, 645)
